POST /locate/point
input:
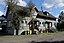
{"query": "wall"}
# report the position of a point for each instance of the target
(43, 26)
(24, 25)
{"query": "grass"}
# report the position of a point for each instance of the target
(52, 33)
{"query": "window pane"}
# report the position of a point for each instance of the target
(25, 21)
(40, 23)
(22, 21)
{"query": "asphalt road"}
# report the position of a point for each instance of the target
(57, 37)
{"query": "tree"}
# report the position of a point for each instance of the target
(31, 6)
(12, 10)
(60, 25)
(61, 16)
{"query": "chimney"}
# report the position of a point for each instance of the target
(42, 9)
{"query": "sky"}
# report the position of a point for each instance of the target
(52, 6)
(2, 7)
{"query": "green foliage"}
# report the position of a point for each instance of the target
(31, 5)
(60, 25)
(61, 15)
(12, 5)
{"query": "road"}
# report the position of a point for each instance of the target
(59, 37)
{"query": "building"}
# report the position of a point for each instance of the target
(30, 21)
(47, 21)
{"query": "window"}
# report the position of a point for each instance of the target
(25, 21)
(0, 28)
(47, 14)
(39, 22)
(43, 23)
(22, 21)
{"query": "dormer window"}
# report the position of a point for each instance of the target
(47, 14)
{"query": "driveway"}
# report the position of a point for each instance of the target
(57, 37)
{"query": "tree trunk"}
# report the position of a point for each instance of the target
(16, 31)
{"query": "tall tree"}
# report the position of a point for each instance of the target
(31, 6)
(60, 25)
(12, 10)
(61, 16)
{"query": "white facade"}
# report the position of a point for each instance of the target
(41, 25)
(44, 25)
(24, 25)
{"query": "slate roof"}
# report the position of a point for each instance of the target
(44, 14)
(40, 13)
(25, 10)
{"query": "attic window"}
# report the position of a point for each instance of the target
(47, 14)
